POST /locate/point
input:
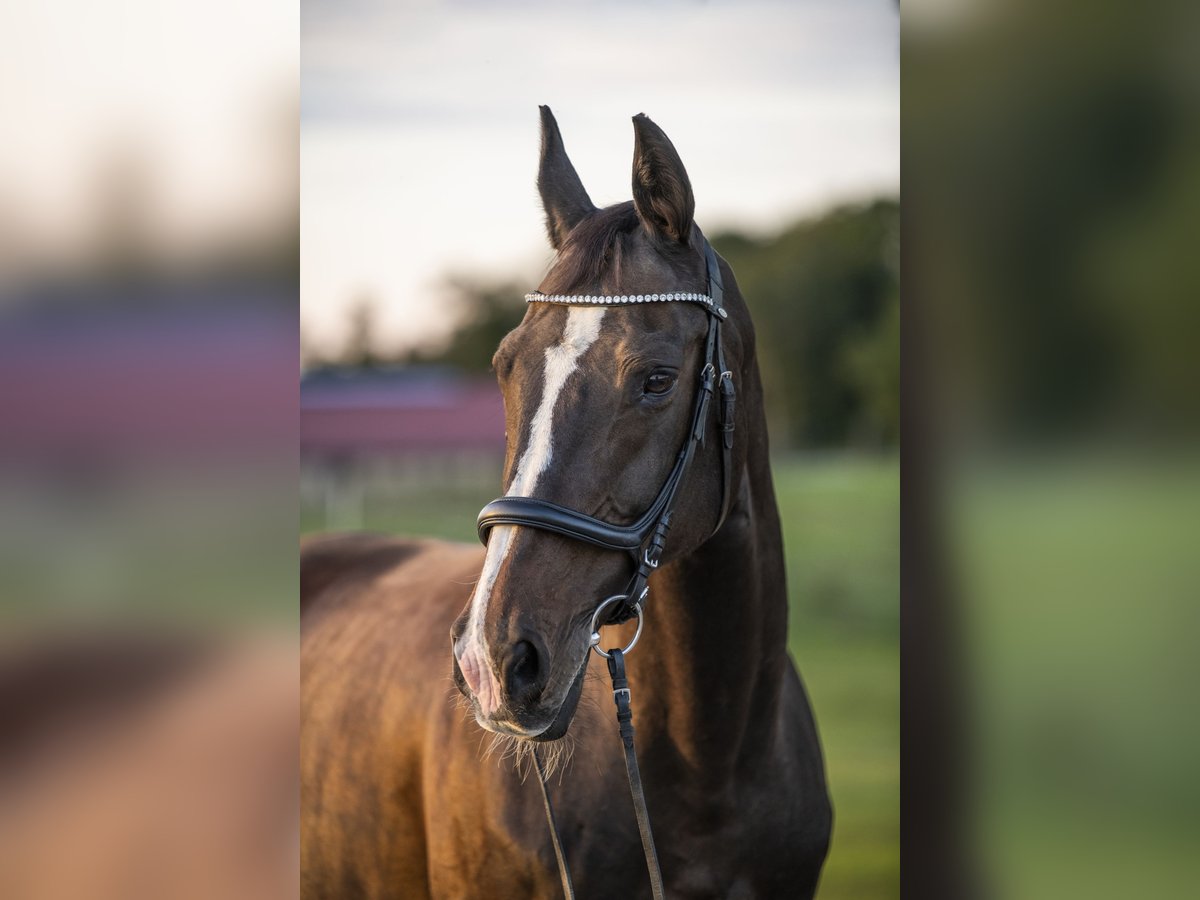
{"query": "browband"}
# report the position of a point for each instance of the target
(627, 299)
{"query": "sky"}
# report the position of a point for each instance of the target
(196, 97)
(419, 131)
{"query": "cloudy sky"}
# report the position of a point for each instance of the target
(420, 129)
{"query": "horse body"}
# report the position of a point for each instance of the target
(399, 798)
(400, 803)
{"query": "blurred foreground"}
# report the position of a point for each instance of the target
(148, 677)
(148, 350)
(142, 766)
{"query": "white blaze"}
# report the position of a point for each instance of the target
(562, 359)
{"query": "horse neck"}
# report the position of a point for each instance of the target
(709, 669)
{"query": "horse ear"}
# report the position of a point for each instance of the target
(563, 196)
(662, 193)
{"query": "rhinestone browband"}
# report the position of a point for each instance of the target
(624, 299)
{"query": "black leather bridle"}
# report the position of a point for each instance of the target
(645, 538)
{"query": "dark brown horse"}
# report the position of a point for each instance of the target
(399, 796)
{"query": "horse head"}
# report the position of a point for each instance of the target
(598, 401)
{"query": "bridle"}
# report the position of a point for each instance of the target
(643, 540)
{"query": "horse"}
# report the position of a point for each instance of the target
(399, 798)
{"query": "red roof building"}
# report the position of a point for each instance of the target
(390, 412)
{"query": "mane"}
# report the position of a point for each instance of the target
(590, 248)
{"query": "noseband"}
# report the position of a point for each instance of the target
(645, 538)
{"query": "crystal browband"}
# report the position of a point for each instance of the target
(624, 299)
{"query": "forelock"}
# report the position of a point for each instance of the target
(591, 249)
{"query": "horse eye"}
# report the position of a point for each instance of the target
(659, 383)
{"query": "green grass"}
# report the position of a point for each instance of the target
(842, 537)
(841, 524)
(428, 510)
(841, 532)
(1078, 579)
(854, 684)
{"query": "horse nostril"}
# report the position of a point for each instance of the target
(523, 676)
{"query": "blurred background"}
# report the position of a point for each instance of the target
(1052, 484)
(149, 242)
(422, 231)
(148, 364)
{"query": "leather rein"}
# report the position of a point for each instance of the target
(644, 540)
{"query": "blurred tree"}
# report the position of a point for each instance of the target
(487, 312)
(124, 240)
(825, 300)
(871, 363)
(1057, 202)
(360, 350)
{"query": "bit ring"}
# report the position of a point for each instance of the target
(595, 642)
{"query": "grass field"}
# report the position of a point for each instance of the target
(842, 536)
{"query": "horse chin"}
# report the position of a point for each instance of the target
(566, 712)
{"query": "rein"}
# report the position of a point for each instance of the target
(644, 540)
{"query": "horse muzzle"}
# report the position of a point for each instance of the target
(517, 707)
